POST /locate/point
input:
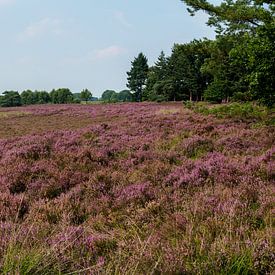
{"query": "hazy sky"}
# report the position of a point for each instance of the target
(78, 44)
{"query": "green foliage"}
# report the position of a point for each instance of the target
(85, 95)
(234, 110)
(27, 97)
(255, 53)
(237, 66)
(137, 76)
(215, 92)
(235, 16)
(242, 97)
(125, 96)
(43, 97)
(157, 86)
(38, 97)
(187, 61)
(34, 260)
(242, 56)
(225, 76)
(108, 95)
(179, 77)
(239, 264)
(10, 99)
(61, 96)
(22, 262)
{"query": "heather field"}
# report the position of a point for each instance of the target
(135, 188)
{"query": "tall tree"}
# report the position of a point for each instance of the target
(255, 54)
(232, 16)
(186, 62)
(85, 95)
(227, 78)
(138, 75)
(157, 88)
(252, 54)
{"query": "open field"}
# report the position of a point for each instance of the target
(134, 189)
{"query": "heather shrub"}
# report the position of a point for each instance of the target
(264, 258)
(136, 189)
(196, 147)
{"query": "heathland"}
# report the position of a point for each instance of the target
(136, 188)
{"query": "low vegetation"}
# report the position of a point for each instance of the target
(136, 189)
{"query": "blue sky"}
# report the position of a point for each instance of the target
(78, 44)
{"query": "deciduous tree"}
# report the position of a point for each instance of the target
(85, 95)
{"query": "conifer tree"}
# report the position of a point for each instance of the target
(138, 75)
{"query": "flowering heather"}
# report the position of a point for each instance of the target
(136, 189)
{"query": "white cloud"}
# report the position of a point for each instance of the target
(121, 18)
(95, 55)
(108, 52)
(42, 27)
(6, 2)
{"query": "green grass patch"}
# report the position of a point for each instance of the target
(233, 110)
(18, 260)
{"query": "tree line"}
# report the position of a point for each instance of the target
(111, 96)
(60, 96)
(239, 65)
(56, 96)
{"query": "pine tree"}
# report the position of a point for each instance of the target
(158, 77)
(138, 75)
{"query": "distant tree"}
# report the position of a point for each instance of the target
(61, 96)
(37, 97)
(108, 95)
(125, 96)
(27, 97)
(85, 95)
(138, 75)
(11, 99)
(54, 96)
(43, 97)
(114, 98)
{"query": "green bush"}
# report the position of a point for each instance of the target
(242, 97)
(234, 110)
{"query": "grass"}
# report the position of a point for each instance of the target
(168, 111)
(12, 114)
(242, 111)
